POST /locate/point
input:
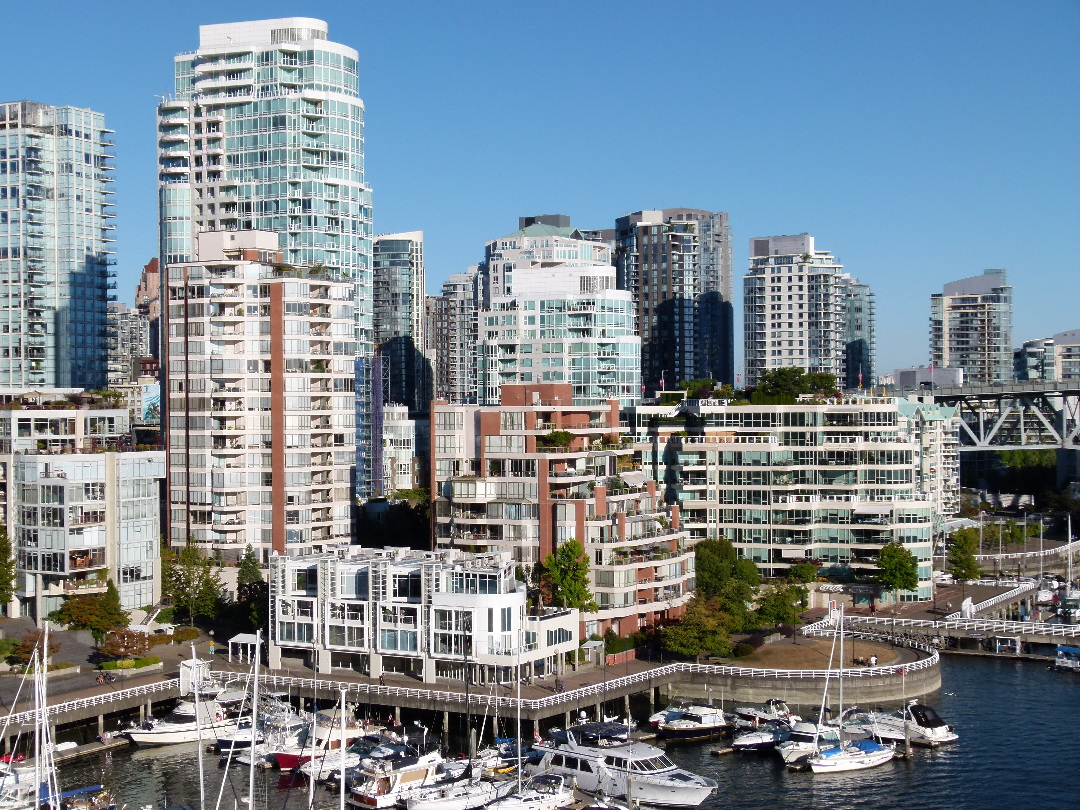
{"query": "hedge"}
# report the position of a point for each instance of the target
(129, 663)
(185, 634)
(743, 649)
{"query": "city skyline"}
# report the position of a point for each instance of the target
(917, 153)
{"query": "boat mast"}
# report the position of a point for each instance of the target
(254, 717)
(521, 641)
(341, 752)
(195, 672)
(825, 697)
(840, 632)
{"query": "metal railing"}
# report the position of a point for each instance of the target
(1027, 555)
(971, 625)
(96, 700)
(993, 601)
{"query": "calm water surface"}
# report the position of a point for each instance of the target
(1018, 748)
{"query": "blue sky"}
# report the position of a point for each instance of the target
(920, 141)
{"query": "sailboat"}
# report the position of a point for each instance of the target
(853, 755)
(35, 785)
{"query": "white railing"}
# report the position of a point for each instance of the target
(993, 601)
(1068, 548)
(971, 625)
(97, 700)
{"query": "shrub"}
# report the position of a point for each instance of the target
(109, 665)
(742, 649)
(149, 660)
(755, 640)
(160, 638)
(185, 634)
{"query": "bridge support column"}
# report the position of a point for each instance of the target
(100, 724)
(397, 715)
(566, 719)
(446, 727)
(626, 705)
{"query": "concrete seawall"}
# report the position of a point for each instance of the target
(805, 692)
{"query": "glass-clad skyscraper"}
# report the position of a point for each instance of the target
(266, 131)
(399, 318)
(55, 242)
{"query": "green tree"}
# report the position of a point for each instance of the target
(252, 591)
(99, 613)
(700, 388)
(961, 557)
(790, 382)
(124, 643)
(898, 570)
(780, 602)
(747, 571)
(193, 584)
(248, 572)
(566, 574)
(732, 604)
(700, 631)
(713, 563)
(7, 568)
(803, 572)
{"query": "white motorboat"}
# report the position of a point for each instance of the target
(323, 734)
(763, 738)
(463, 795)
(386, 782)
(616, 768)
(696, 723)
(667, 714)
(544, 792)
(211, 724)
(805, 739)
(853, 756)
(771, 711)
(330, 764)
(242, 736)
(924, 726)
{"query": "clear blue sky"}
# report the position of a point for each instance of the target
(920, 141)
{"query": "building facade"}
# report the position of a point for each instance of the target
(800, 310)
(266, 131)
(829, 481)
(971, 327)
(529, 474)
(399, 301)
(452, 337)
(128, 342)
(426, 614)
(261, 401)
(56, 235)
(404, 441)
(677, 264)
(148, 303)
(551, 314)
(1055, 358)
(80, 507)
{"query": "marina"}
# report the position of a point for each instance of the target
(993, 704)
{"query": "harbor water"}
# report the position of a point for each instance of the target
(1017, 723)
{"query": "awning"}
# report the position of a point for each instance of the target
(633, 479)
(792, 552)
(873, 509)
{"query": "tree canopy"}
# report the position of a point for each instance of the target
(700, 631)
(566, 575)
(32, 640)
(961, 557)
(252, 590)
(124, 643)
(713, 563)
(803, 572)
(898, 570)
(193, 584)
(7, 568)
(780, 602)
(790, 381)
(99, 613)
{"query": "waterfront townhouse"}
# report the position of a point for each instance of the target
(80, 507)
(538, 470)
(830, 480)
(429, 614)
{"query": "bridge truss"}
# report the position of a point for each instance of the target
(994, 417)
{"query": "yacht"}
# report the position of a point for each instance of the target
(321, 735)
(614, 768)
(924, 726)
(210, 725)
(386, 782)
(697, 723)
(243, 735)
(771, 711)
(806, 738)
(763, 738)
(547, 791)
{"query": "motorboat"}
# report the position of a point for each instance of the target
(666, 714)
(763, 738)
(547, 791)
(917, 722)
(229, 703)
(330, 765)
(241, 737)
(321, 735)
(462, 795)
(386, 782)
(615, 768)
(852, 756)
(804, 739)
(702, 723)
(772, 710)
(210, 724)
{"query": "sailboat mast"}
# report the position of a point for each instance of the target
(254, 717)
(521, 640)
(198, 726)
(341, 752)
(840, 630)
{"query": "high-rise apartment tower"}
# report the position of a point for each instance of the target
(399, 318)
(971, 327)
(56, 225)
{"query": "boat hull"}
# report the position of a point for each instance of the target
(689, 734)
(850, 762)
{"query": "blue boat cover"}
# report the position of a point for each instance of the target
(868, 745)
